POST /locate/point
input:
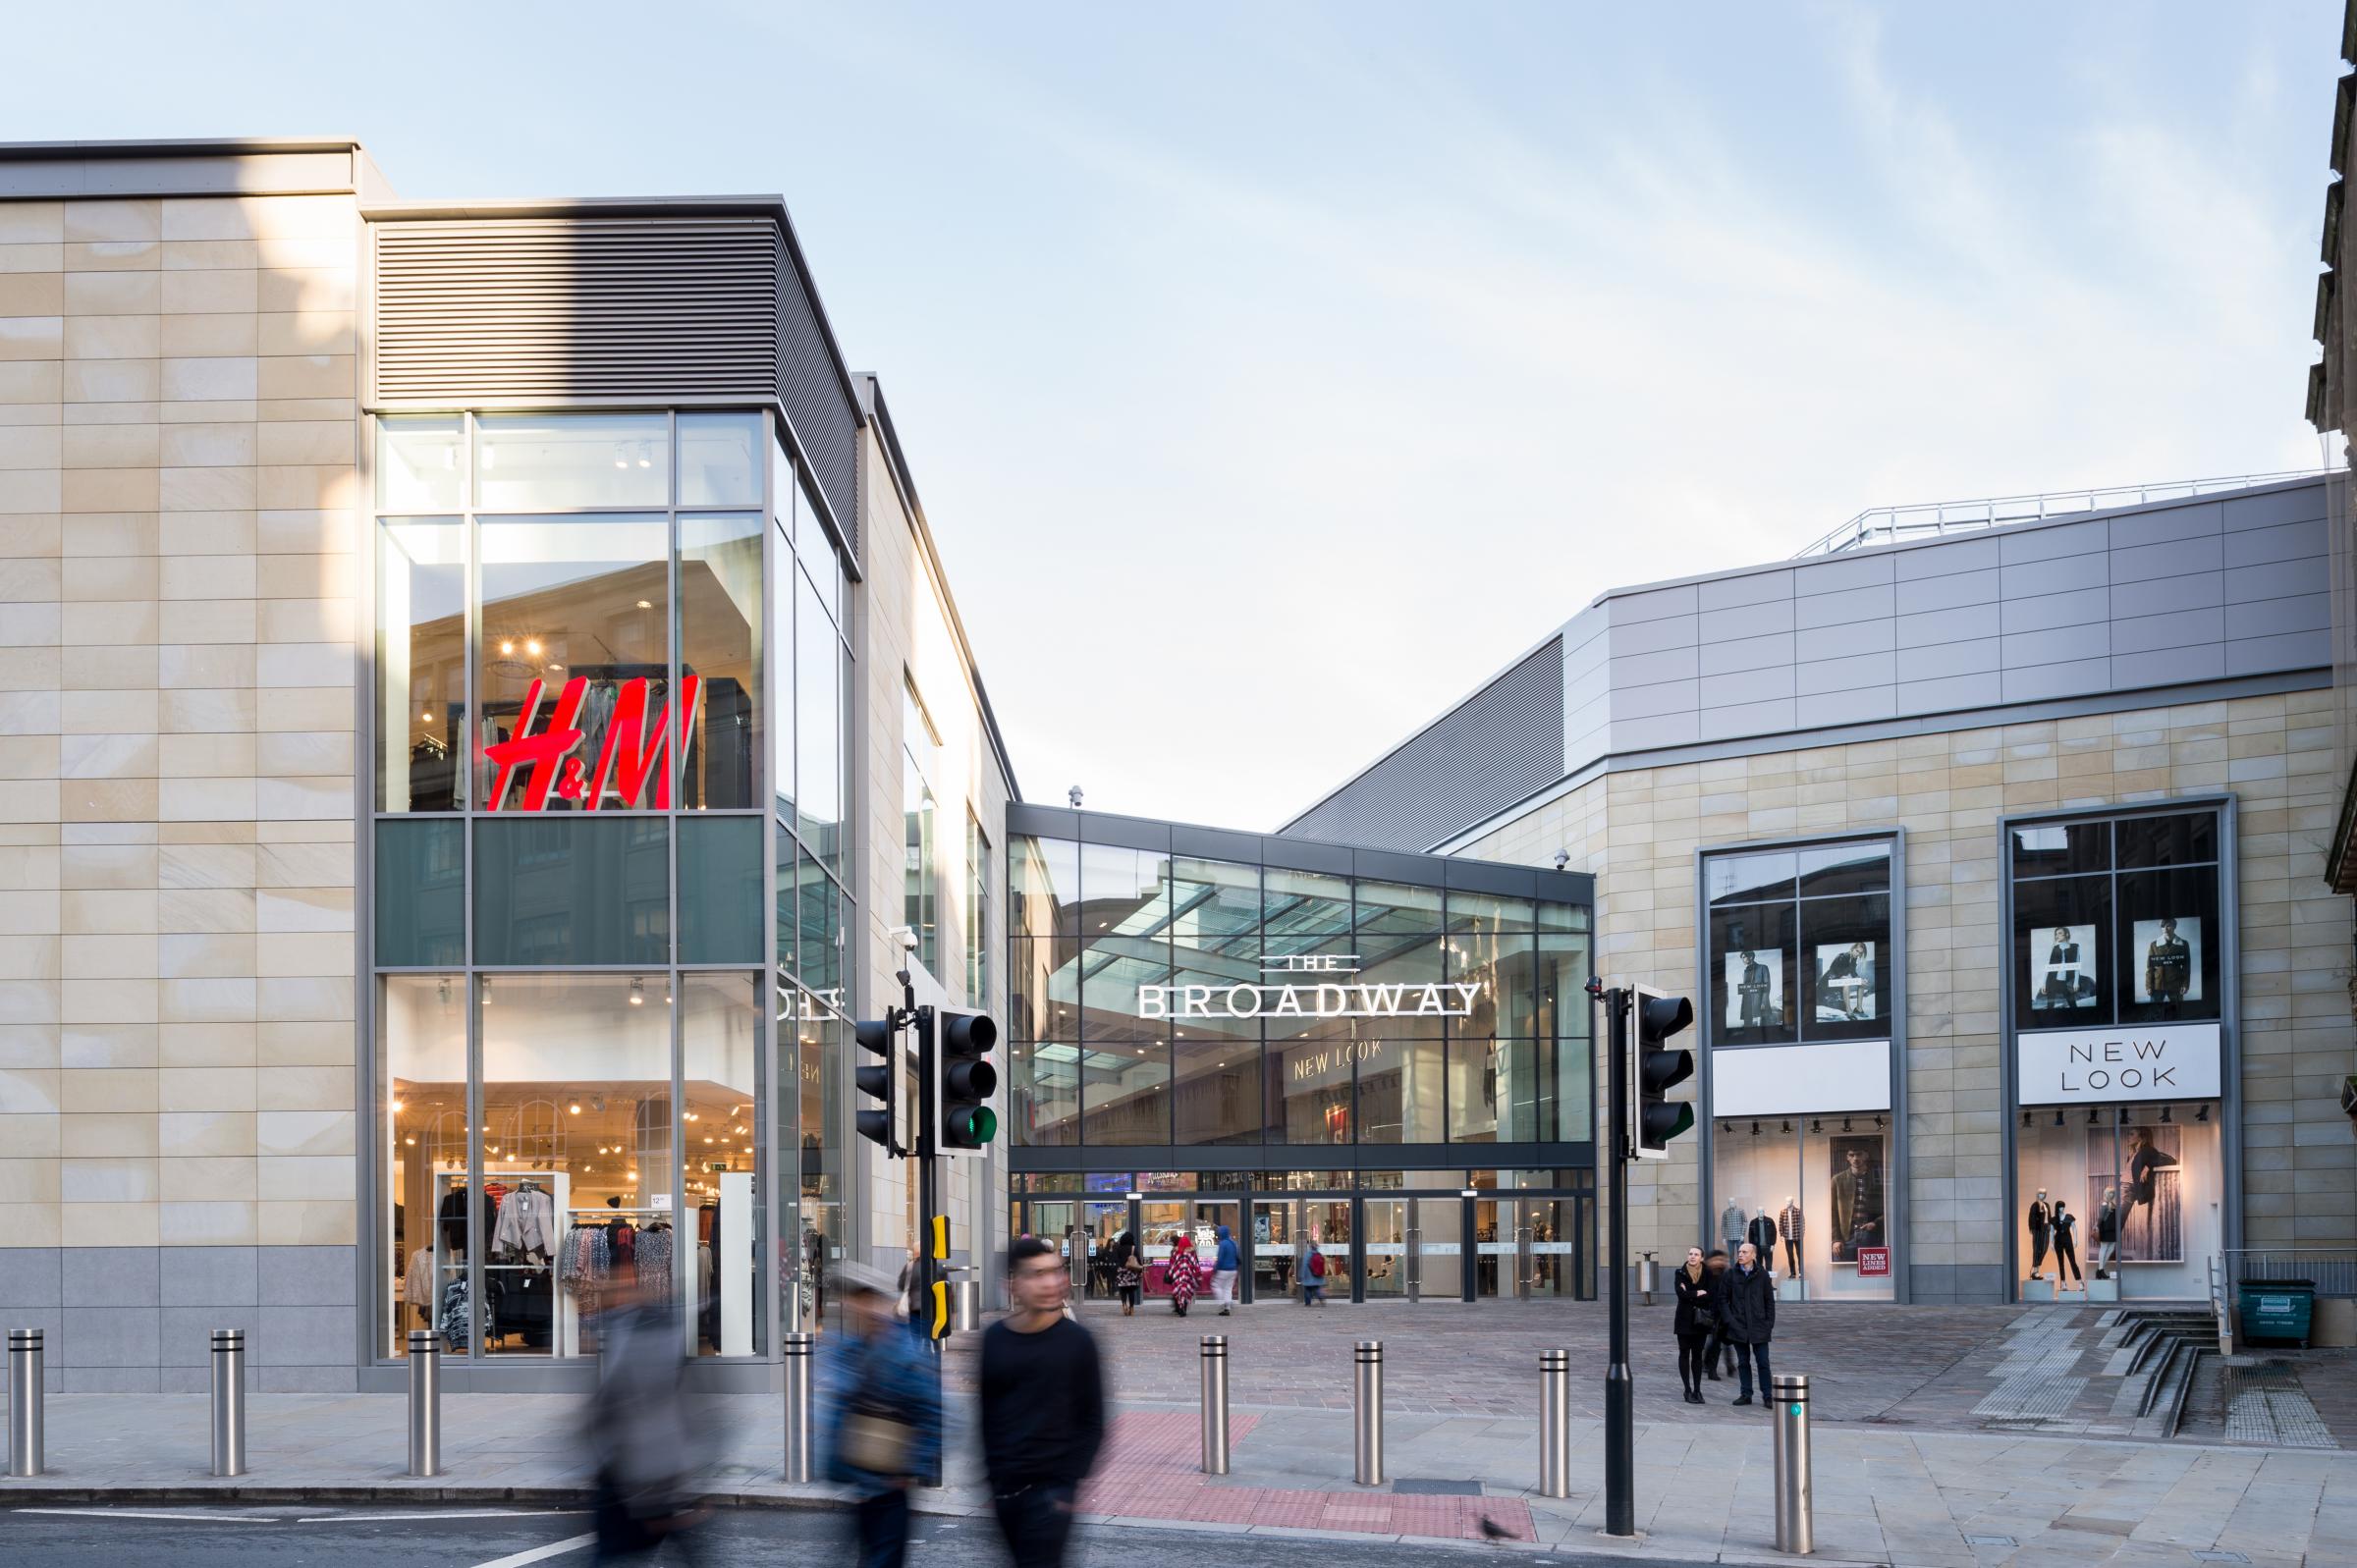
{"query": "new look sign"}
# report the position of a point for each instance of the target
(1310, 985)
(2153, 1061)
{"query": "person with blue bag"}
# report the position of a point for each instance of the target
(883, 1412)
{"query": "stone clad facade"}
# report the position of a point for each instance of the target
(177, 484)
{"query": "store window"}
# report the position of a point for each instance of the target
(819, 672)
(2121, 931)
(977, 915)
(1801, 1000)
(921, 829)
(720, 626)
(421, 1137)
(421, 699)
(724, 1127)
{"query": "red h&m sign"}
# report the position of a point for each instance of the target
(636, 749)
(1873, 1262)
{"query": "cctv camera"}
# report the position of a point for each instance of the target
(906, 937)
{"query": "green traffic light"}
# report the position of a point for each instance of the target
(985, 1125)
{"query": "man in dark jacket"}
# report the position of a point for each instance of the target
(1043, 1408)
(1747, 1306)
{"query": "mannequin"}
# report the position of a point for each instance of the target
(2066, 1247)
(1762, 1236)
(1731, 1226)
(1788, 1222)
(2042, 1229)
(2106, 1233)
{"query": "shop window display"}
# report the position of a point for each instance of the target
(1811, 1193)
(2126, 1195)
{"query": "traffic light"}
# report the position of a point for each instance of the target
(1659, 1066)
(957, 1063)
(880, 1083)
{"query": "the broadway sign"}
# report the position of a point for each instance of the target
(637, 752)
(2129, 1062)
(1295, 986)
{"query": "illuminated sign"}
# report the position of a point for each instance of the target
(1323, 999)
(636, 753)
(2177, 1061)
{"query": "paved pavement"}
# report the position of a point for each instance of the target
(1906, 1471)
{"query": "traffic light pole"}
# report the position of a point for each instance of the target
(1619, 1401)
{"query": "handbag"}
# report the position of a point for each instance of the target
(1705, 1320)
(876, 1442)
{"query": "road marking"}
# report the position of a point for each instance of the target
(134, 1513)
(554, 1548)
(424, 1515)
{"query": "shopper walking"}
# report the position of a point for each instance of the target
(1696, 1321)
(1128, 1264)
(1228, 1260)
(1748, 1306)
(883, 1413)
(1180, 1273)
(1043, 1408)
(1313, 1278)
(645, 1434)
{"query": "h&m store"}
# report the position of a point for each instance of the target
(483, 711)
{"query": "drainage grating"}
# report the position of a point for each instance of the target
(2220, 1557)
(1439, 1488)
(1990, 1541)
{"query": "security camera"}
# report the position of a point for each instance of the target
(906, 936)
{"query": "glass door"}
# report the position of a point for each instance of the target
(1276, 1259)
(1325, 1226)
(1382, 1267)
(1440, 1248)
(1104, 1222)
(1497, 1261)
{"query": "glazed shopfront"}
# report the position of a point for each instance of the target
(1386, 1057)
(607, 884)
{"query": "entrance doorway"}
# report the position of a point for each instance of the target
(1383, 1254)
(1275, 1249)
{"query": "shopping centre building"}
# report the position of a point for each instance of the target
(481, 712)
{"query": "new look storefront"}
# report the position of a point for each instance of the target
(1386, 1055)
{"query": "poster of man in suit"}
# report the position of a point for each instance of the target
(1755, 988)
(2169, 961)
(1857, 1197)
(1845, 991)
(2062, 966)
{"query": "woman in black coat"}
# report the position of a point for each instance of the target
(1129, 1271)
(1697, 1316)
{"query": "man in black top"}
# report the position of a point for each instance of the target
(1043, 1407)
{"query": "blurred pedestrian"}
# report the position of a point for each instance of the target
(883, 1412)
(1043, 1408)
(1228, 1261)
(1313, 1278)
(1179, 1272)
(646, 1441)
(1697, 1317)
(1747, 1305)
(1128, 1264)
(1717, 1356)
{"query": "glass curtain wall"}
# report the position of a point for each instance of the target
(1174, 1001)
(588, 663)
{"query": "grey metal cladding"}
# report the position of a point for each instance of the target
(2291, 503)
(2274, 579)
(1945, 693)
(2168, 666)
(1747, 719)
(1648, 668)
(1746, 652)
(2191, 520)
(2185, 629)
(1863, 705)
(1947, 557)
(2056, 574)
(2038, 611)
(2167, 596)
(1936, 661)
(2290, 650)
(1762, 620)
(2029, 682)
(2266, 618)
(1504, 742)
(1840, 572)
(1747, 685)
(1751, 588)
(1655, 603)
(1875, 634)
(2016, 546)
(2287, 541)
(508, 312)
(2172, 558)
(1974, 586)
(1651, 636)
(2057, 644)
(1925, 627)
(1845, 675)
(1848, 603)
(1644, 702)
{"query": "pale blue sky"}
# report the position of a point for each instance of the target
(1274, 374)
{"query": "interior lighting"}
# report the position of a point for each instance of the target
(507, 645)
(1845, 1125)
(645, 603)
(1817, 1125)
(574, 1108)
(2201, 1114)
(410, 1140)
(396, 1107)
(2164, 1112)
(531, 645)
(1755, 1129)
(2091, 1117)
(638, 995)
(1787, 1126)
(691, 1115)
(487, 991)
(2058, 1116)
(426, 715)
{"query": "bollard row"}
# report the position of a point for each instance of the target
(26, 1437)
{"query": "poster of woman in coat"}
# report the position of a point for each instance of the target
(1755, 988)
(2169, 961)
(1846, 991)
(2065, 979)
(2147, 1183)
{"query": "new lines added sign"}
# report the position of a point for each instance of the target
(2150, 1061)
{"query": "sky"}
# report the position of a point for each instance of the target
(1272, 376)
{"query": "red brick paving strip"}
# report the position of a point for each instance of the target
(1149, 1472)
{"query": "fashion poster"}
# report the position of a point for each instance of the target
(2144, 1170)
(1755, 988)
(1845, 991)
(1856, 1197)
(2169, 961)
(2062, 974)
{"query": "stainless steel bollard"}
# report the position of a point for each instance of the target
(965, 1303)
(1555, 1422)
(1794, 1531)
(1215, 1404)
(1649, 1278)
(425, 1403)
(228, 1401)
(26, 1437)
(1367, 1411)
(802, 1356)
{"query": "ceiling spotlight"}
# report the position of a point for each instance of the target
(2091, 1117)
(1878, 1121)
(2058, 1115)
(397, 1107)
(1817, 1125)
(691, 1115)
(575, 1109)
(638, 993)
(2164, 1112)
(426, 714)
(645, 603)
(2201, 1114)
(1787, 1126)
(531, 645)
(444, 988)
(507, 645)
(1755, 1129)
(1845, 1125)
(487, 991)
(412, 1140)
(2025, 1118)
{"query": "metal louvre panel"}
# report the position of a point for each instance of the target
(1498, 745)
(647, 310)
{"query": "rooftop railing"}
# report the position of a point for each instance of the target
(1931, 520)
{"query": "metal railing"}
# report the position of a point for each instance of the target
(2333, 1269)
(1883, 526)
